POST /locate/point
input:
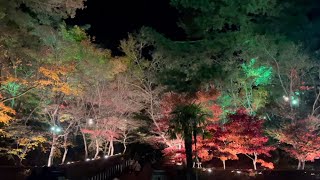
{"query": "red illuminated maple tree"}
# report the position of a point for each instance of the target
(217, 145)
(245, 134)
(301, 139)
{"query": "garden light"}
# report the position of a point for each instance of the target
(286, 98)
(90, 121)
(56, 129)
(295, 102)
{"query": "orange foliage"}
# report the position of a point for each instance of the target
(6, 113)
(55, 77)
(265, 164)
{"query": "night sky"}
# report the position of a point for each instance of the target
(112, 20)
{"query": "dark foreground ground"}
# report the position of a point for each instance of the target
(148, 173)
(155, 172)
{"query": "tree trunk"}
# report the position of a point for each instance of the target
(65, 146)
(224, 164)
(254, 161)
(97, 149)
(124, 147)
(188, 149)
(303, 164)
(111, 148)
(85, 145)
(105, 148)
(299, 165)
(64, 155)
(50, 159)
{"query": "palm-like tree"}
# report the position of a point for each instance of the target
(187, 120)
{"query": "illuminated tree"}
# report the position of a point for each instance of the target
(25, 145)
(217, 144)
(187, 120)
(246, 136)
(300, 139)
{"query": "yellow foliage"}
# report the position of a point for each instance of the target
(53, 77)
(5, 113)
(25, 145)
(51, 74)
(118, 65)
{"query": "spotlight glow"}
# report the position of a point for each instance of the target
(295, 102)
(58, 129)
(286, 98)
(209, 170)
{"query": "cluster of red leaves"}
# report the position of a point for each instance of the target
(302, 138)
(241, 135)
(263, 163)
(246, 134)
(100, 129)
(217, 145)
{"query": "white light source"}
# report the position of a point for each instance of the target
(286, 98)
(87, 159)
(58, 129)
(209, 170)
(238, 172)
(295, 102)
(52, 128)
(68, 163)
(106, 156)
(90, 121)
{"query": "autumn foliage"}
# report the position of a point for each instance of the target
(300, 139)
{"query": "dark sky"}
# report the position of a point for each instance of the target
(111, 20)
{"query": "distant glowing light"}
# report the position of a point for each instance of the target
(90, 121)
(295, 102)
(286, 98)
(88, 159)
(68, 162)
(238, 172)
(106, 156)
(58, 129)
(209, 170)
